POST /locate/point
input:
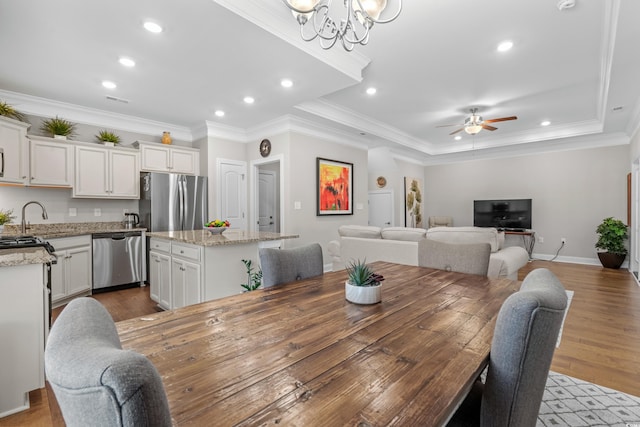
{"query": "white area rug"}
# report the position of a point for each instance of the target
(570, 402)
(569, 298)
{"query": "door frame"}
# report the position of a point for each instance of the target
(273, 176)
(253, 190)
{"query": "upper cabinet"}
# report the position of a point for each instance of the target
(51, 162)
(107, 173)
(14, 157)
(167, 158)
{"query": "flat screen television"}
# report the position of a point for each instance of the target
(510, 214)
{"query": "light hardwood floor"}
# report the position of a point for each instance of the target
(600, 341)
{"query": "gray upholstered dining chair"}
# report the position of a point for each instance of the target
(523, 343)
(95, 382)
(470, 258)
(287, 265)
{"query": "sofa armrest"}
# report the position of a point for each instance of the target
(507, 261)
(333, 248)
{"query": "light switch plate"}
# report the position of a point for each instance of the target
(297, 205)
(359, 206)
(97, 212)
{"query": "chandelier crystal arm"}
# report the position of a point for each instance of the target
(354, 27)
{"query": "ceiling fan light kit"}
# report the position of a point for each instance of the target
(474, 123)
(314, 17)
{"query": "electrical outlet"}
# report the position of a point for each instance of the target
(540, 239)
(125, 211)
(97, 212)
(563, 240)
(73, 212)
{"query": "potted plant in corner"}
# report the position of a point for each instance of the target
(108, 138)
(6, 216)
(58, 128)
(363, 286)
(254, 280)
(612, 235)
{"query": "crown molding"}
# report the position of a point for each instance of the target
(274, 17)
(43, 107)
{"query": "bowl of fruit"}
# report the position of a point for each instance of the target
(216, 226)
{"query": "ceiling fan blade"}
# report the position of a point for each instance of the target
(487, 127)
(456, 131)
(444, 126)
(501, 119)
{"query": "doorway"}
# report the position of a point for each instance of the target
(381, 208)
(232, 192)
(266, 190)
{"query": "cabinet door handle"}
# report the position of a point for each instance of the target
(182, 269)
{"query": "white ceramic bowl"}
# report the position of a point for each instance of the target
(215, 230)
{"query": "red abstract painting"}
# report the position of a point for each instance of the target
(335, 182)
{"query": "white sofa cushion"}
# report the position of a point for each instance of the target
(465, 235)
(406, 234)
(365, 231)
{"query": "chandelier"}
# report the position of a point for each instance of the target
(360, 15)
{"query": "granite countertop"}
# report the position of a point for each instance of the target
(229, 237)
(24, 256)
(69, 229)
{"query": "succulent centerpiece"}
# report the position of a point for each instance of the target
(363, 285)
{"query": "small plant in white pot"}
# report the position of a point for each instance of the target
(363, 286)
(58, 128)
(108, 138)
(6, 216)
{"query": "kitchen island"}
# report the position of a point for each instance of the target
(188, 267)
(24, 324)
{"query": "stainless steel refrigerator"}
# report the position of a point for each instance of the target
(172, 202)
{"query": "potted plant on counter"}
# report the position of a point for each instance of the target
(612, 234)
(108, 138)
(363, 286)
(58, 128)
(6, 216)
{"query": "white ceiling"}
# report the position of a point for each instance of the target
(430, 66)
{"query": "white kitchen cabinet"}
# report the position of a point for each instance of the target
(167, 158)
(160, 272)
(24, 317)
(186, 274)
(51, 162)
(14, 161)
(103, 172)
(72, 275)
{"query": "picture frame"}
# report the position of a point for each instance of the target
(334, 187)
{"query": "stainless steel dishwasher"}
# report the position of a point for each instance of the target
(117, 259)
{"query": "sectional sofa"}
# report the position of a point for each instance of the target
(400, 245)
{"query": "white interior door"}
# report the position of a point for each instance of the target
(232, 193)
(381, 208)
(267, 201)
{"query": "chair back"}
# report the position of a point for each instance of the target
(470, 258)
(287, 265)
(95, 382)
(524, 340)
(440, 221)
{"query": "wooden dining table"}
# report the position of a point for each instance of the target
(300, 354)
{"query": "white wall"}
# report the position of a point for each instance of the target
(572, 192)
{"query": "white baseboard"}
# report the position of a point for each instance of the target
(574, 260)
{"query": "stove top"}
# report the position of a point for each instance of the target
(14, 242)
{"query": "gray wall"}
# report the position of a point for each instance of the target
(572, 192)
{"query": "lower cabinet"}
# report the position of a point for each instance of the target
(71, 275)
(160, 278)
(186, 283)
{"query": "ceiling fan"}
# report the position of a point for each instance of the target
(474, 123)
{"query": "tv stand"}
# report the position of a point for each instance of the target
(528, 238)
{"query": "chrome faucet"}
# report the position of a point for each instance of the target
(24, 223)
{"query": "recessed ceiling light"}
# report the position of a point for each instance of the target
(505, 46)
(545, 123)
(371, 91)
(249, 100)
(127, 62)
(458, 138)
(152, 27)
(109, 85)
(286, 83)
(219, 113)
